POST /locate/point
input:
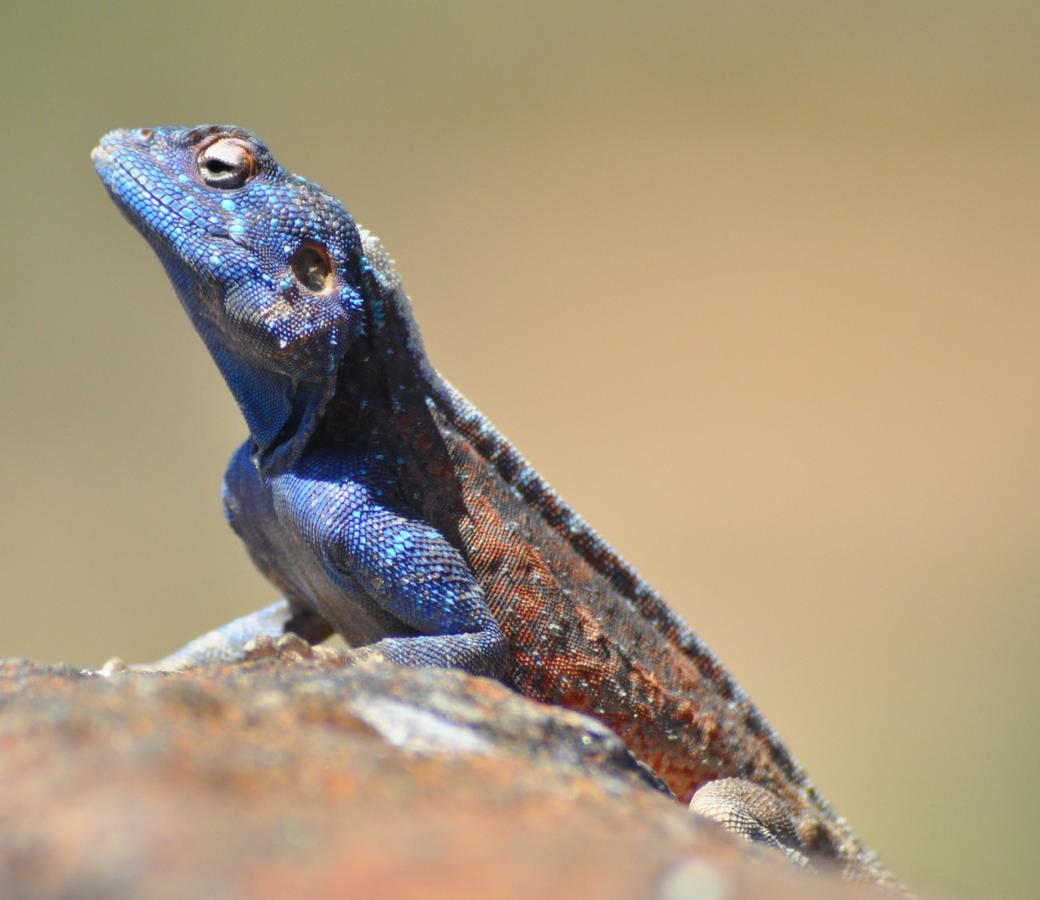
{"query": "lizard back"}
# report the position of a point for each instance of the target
(585, 630)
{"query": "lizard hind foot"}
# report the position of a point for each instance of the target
(756, 814)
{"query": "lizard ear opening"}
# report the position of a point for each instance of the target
(313, 269)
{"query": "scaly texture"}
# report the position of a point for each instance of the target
(388, 509)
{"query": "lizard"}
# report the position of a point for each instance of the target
(389, 510)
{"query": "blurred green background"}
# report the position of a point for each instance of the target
(755, 285)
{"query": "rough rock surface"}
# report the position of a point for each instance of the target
(291, 777)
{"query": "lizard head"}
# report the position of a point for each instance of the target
(267, 264)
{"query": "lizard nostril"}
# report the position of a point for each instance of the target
(312, 268)
(145, 134)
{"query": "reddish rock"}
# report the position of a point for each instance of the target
(298, 779)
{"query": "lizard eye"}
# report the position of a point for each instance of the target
(312, 268)
(226, 164)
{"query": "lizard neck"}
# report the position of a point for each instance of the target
(382, 402)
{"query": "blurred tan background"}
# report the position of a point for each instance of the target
(755, 285)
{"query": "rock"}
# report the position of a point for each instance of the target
(299, 778)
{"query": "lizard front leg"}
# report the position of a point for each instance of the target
(346, 509)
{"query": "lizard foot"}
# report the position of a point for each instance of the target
(292, 648)
(754, 813)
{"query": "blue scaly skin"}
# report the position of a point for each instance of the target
(272, 274)
(387, 509)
